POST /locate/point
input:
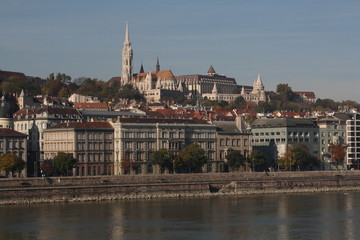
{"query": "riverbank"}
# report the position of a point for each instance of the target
(76, 189)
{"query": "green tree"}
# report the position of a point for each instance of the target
(265, 107)
(326, 105)
(303, 158)
(128, 92)
(62, 77)
(285, 92)
(64, 162)
(239, 102)
(258, 160)
(298, 155)
(235, 159)
(11, 163)
(191, 157)
(163, 158)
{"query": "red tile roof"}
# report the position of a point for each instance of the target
(175, 113)
(59, 111)
(92, 125)
(7, 131)
(97, 105)
(161, 120)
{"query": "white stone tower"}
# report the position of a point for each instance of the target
(127, 58)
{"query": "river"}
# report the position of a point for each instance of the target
(282, 216)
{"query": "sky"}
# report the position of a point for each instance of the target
(312, 45)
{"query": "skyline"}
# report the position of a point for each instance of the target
(311, 45)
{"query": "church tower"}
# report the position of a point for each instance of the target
(127, 57)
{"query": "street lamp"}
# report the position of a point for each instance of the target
(35, 169)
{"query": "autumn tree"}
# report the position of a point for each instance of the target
(163, 158)
(286, 160)
(47, 167)
(338, 152)
(235, 159)
(11, 163)
(299, 156)
(64, 162)
(126, 164)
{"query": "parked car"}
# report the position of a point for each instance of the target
(106, 182)
(163, 180)
(25, 184)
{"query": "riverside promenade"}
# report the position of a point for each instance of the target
(98, 188)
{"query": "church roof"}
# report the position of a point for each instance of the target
(162, 75)
(211, 70)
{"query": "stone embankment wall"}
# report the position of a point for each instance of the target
(64, 189)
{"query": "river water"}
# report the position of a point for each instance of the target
(282, 216)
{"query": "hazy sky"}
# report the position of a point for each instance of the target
(313, 45)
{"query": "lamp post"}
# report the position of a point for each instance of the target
(35, 169)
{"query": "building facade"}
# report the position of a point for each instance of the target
(6, 120)
(12, 141)
(353, 141)
(136, 138)
(283, 132)
(332, 130)
(90, 143)
(196, 85)
(231, 135)
(33, 121)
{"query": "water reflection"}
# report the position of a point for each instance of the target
(292, 216)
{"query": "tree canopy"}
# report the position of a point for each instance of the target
(298, 156)
(64, 162)
(11, 163)
(338, 153)
(235, 159)
(258, 159)
(192, 158)
(163, 158)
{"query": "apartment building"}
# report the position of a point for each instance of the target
(231, 135)
(12, 141)
(90, 143)
(283, 132)
(353, 141)
(136, 138)
(332, 130)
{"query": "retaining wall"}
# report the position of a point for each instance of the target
(63, 189)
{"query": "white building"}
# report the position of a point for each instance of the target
(353, 141)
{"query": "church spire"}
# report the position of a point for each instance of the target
(141, 68)
(127, 57)
(127, 39)
(214, 91)
(157, 65)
